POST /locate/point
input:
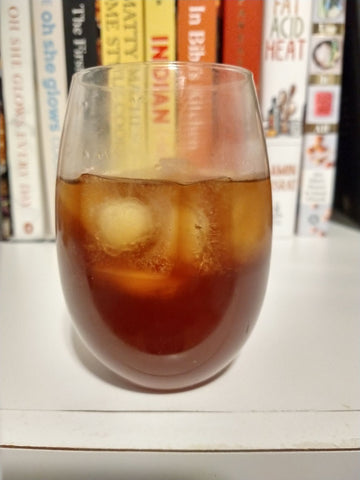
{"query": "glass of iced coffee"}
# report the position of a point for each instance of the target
(164, 217)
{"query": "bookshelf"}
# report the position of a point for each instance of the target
(288, 406)
(68, 36)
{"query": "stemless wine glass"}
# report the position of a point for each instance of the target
(164, 217)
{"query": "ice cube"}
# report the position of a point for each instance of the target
(194, 230)
(251, 221)
(167, 241)
(67, 198)
(124, 223)
(248, 234)
(139, 283)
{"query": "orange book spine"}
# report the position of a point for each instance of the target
(197, 30)
(197, 42)
(242, 34)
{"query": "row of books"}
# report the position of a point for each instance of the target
(302, 61)
(293, 47)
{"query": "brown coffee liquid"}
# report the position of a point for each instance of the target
(164, 280)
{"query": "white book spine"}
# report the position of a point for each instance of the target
(285, 50)
(25, 175)
(322, 118)
(50, 63)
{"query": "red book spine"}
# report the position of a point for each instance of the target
(242, 34)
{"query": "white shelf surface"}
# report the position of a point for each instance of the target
(294, 387)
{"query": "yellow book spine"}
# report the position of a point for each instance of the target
(131, 30)
(132, 50)
(136, 127)
(161, 115)
(128, 121)
(110, 13)
(160, 34)
(160, 30)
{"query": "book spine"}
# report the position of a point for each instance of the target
(160, 30)
(132, 50)
(108, 15)
(122, 41)
(197, 30)
(110, 31)
(196, 42)
(5, 219)
(285, 52)
(131, 31)
(81, 35)
(51, 91)
(160, 37)
(322, 119)
(27, 204)
(242, 35)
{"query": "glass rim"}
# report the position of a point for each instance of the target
(245, 74)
